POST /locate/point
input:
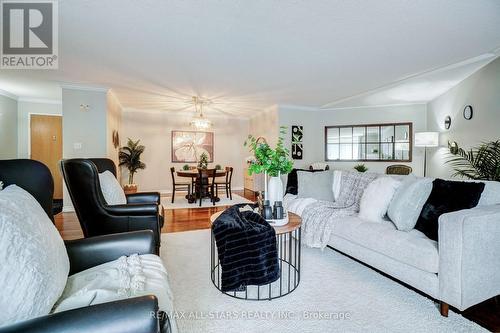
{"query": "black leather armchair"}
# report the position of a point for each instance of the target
(142, 211)
(134, 315)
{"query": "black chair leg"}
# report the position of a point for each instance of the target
(227, 191)
(230, 193)
(173, 194)
(201, 197)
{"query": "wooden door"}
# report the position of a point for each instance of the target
(46, 146)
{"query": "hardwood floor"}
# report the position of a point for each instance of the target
(486, 314)
(176, 220)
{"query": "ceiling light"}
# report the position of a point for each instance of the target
(199, 122)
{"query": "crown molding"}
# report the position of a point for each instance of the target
(299, 107)
(333, 108)
(8, 94)
(85, 87)
(39, 100)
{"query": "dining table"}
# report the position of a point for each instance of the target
(194, 175)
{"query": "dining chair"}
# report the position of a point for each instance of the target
(206, 182)
(178, 185)
(398, 169)
(227, 183)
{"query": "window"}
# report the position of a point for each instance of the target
(379, 142)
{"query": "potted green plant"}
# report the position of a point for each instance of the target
(360, 168)
(480, 163)
(218, 167)
(130, 157)
(273, 162)
(203, 161)
(185, 167)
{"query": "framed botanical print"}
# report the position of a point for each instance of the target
(187, 146)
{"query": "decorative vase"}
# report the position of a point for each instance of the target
(274, 190)
(130, 188)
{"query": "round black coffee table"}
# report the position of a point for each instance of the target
(288, 243)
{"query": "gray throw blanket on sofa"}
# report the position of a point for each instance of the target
(318, 219)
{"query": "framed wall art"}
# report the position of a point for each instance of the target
(297, 145)
(187, 146)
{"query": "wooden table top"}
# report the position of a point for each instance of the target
(294, 222)
(194, 173)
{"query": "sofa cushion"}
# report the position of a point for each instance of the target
(408, 202)
(291, 183)
(411, 248)
(111, 189)
(317, 185)
(126, 277)
(376, 198)
(447, 196)
(34, 263)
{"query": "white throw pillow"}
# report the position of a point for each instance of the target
(34, 264)
(376, 199)
(408, 202)
(111, 189)
(337, 180)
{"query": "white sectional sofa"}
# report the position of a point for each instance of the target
(461, 270)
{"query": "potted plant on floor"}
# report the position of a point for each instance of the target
(273, 162)
(480, 163)
(130, 157)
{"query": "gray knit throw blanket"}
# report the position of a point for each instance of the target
(319, 218)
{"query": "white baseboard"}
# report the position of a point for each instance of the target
(68, 209)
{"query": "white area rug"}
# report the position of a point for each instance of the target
(181, 201)
(348, 296)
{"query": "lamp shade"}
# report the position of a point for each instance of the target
(427, 139)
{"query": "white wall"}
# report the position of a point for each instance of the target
(482, 91)
(88, 128)
(8, 127)
(85, 128)
(154, 129)
(24, 110)
(315, 120)
(265, 124)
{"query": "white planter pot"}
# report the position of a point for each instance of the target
(274, 190)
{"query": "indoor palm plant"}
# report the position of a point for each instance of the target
(480, 163)
(273, 162)
(130, 157)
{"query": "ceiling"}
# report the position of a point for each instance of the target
(248, 55)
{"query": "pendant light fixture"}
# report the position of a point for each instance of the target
(199, 122)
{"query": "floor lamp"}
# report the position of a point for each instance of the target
(426, 140)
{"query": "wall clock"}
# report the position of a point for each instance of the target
(447, 122)
(468, 113)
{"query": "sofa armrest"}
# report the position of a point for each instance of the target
(134, 315)
(89, 252)
(143, 197)
(133, 209)
(469, 256)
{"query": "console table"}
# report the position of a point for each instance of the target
(288, 243)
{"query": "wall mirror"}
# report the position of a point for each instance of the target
(377, 142)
